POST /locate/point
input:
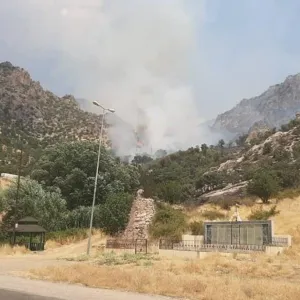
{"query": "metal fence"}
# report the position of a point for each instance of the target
(138, 245)
(280, 242)
(141, 245)
(194, 246)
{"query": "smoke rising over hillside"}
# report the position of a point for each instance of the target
(135, 56)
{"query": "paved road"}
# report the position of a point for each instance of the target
(16, 288)
(11, 295)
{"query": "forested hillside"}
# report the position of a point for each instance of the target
(270, 156)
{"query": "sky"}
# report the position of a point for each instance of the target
(181, 62)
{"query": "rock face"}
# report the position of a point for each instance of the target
(142, 212)
(273, 108)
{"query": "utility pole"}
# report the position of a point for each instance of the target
(18, 190)
(19, 177)
(104, 110)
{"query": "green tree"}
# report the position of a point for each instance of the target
(113, 216)
(71, 167)
(141, 159)
(221, 143)
(241, 140)
(264, 184)
(47, 206)
(170, 191)
(204, 149)
(168, 223)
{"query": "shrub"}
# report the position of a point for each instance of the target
(264, 214)
(197, 228)
(296, 150)
(280, 154)
(168, 223)
(289, 193)
(226, 204)
(288, 175)
(264, 184)
(114, 214)
(170, 191)
(67, 236)
(213, 215)
(267, 148)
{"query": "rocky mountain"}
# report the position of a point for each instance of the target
(275, 107)
(36, 117)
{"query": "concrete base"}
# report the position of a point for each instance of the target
(274, 250)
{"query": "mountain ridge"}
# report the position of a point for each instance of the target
(274, 107)
(36, 118)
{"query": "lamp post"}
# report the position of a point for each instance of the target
(97, 171)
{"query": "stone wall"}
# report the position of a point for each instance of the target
(142, 212)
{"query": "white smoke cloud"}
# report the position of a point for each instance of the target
(130, 55)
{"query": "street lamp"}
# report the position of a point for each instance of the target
(97, 171)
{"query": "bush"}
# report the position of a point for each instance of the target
(67, 236)
(289, 193)
(170, 191)
(280, 154)
(264, 214)
(296, 150)
(225, 204)
(114, 214)
(213, 215)
(288, 175)
(197, 228)
(267, 148)
(168, 223)
(264, 184)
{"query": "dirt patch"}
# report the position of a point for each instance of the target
(5, 182)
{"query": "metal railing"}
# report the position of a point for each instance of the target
(33, 246)
(138, 245)
(194, 246)
(280, 242)
(120, 244)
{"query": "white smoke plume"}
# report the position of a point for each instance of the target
(135, 56)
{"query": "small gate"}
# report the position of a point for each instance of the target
(141, 246)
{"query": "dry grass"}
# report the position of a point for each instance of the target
(214, 278)
(9, 250)
(5, 182)
(238, 277)
(62, 240)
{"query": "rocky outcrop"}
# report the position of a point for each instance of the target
(232, 190)
(273, 108)
(142, 212)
